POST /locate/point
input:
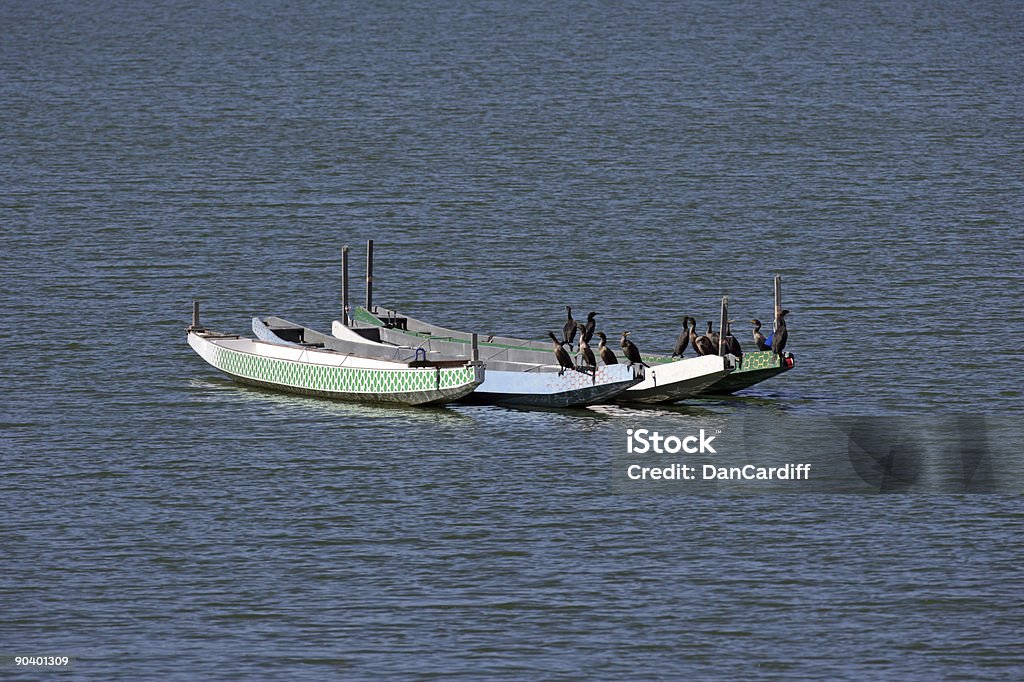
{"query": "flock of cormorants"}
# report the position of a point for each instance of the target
(708, 343)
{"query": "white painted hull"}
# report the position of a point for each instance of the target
(330, 374)
(664, 382)
(673, 381)
(522, 377)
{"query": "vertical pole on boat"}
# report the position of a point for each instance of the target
(778, 301)
(369, 274)
(344, 285)
(476, 349)
(195, 316)
(723, 323)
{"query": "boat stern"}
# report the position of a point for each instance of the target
(755, 368)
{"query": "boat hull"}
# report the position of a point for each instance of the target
(667, 381)
(756, 367)
(521, 375)
(333, 375)
(670, 382)
(548, 389)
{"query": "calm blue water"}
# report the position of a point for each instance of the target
(638, 159)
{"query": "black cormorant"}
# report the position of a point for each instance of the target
(713, 338)
(762, 343)
(701, 344)
(731, 344)
(569, 330)
(588, 330)
(631, 352)
(781, 334)
(683, 340)
(587, 355)
(564, 360)
(607, 354)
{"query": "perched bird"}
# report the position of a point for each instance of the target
(759, 339)
(569, 330)
(607, 354)
(713, 338)
(683, 340)
(731, 344)
(701, 344)
(588, 330)
(631, 351)
(588, 355)
(564, 359)
(781, 334)
(693, 335)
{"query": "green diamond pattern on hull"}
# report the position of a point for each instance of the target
(757, 367)
(762, 359)
(332, 379)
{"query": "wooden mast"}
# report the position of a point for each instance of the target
(369, 275)
(723, 323)
(344, 286)
(778, 301)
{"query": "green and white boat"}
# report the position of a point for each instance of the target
(665, 381)
(511, 360)
(513, 378)
(343, 372)
(755, 368)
